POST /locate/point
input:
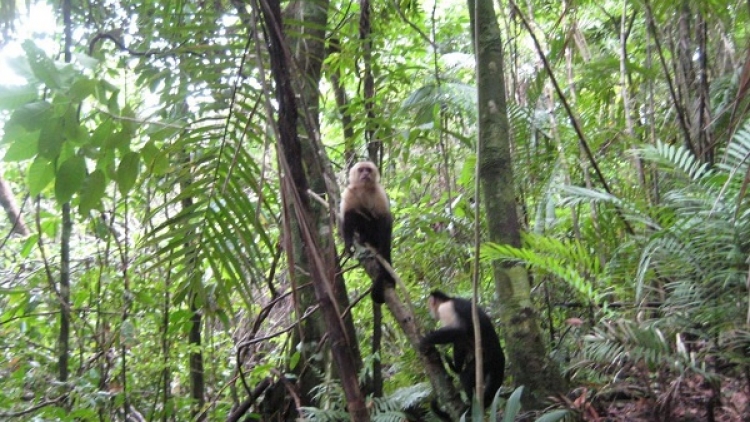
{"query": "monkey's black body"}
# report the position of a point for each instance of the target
(365, 212)
(459, 331)
(375, 230)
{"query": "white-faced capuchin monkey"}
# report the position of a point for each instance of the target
(457, 328)
(366, 212)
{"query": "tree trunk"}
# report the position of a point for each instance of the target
(524, 346)
(8, 202)
(307, 47)
(317, 248)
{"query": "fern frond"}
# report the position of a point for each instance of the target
(561, 259)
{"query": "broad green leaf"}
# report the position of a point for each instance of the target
(106, 162)
(31, 116)
(20, 66)
(12, 97)
(23, 143)
(86, 61)
(294, 359)
(29, 244)
(514, 405)
(92, 191)
(129, 123)
(103, 91)
(51, 139)
(69, 178)
(42, 66)
(82, 88)
(104, 131)
(127, 172)
(72, 129)
(155, 159)
(554, 416)
(41, 173)
(119, 140)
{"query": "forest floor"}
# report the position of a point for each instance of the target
(689, 399)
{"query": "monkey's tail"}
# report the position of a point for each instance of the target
(378, 286)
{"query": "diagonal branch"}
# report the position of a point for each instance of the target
(568, 109)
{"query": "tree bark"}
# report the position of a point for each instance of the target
(316, 247)
(524, 345)
(307, 48)
(8, 202)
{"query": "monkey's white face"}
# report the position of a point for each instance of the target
(364, 172)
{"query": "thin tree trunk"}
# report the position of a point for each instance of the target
(63, 339)
(374, 150)
(530, 364)
(67, 228)
(197, 381)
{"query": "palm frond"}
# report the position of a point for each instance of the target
(570, 261)
(674, 158)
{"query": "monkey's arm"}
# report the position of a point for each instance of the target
(445, 335)
(349, 223)
(384, 235)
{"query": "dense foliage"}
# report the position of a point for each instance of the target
(143, 191)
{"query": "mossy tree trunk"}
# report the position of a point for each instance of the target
(530, 365)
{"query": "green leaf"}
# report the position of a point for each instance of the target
(155, 159)
(86, 61)
(31, 116)
(92, 191)
(70, 177)
(129, 123)
(127, 172)
(104, 131)
(554, 416)
(72, 129)
(51, 139)
(119, 140)
(42, 66)
(513, 406)
(24, 143)
(294, 360)
(82, 88)
(29, 244)
(41, 173)
(12, 97)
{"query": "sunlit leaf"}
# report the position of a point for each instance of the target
(12, 97)
(23, 143)
(31, 116)
(86, 61)
(42, 66)
(118, 140)
(82, 88)
(29, 244)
